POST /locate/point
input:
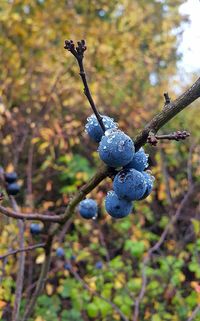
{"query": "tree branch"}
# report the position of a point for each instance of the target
(178, 135)
(170, 111)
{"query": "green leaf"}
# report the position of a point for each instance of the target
(136, 248)
(92, 310)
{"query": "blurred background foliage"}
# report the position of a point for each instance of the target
(131, 61)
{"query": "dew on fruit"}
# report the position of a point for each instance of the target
(109, 140)
(111, 193)
(121, 146)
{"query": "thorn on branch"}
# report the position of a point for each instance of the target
(167, 98)
(178, 135)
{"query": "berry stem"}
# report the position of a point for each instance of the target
(78, 53)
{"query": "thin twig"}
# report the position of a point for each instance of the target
(156, 248)
(78, 53)
(178, 135)
(30, 216)
(25, 249)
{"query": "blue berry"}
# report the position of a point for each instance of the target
(93, 128)
(149, 182)
(73, 257)
(35, 228)
(129, 184)
(10, 177)
(13, 189)
(117, 208)
(67, 266)
(88, 208)
(116, 149)
(60, 252)
(99, 265)
(139, 161)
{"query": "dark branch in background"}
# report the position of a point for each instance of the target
(24, 249)
(21, 266)
(41, 281)
(178, 135)
(78, 53)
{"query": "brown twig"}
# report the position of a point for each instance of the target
(178, 135)
(78, 53)
(25, 249)
(31, 216)
(156, 248)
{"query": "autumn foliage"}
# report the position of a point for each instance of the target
(131, 61)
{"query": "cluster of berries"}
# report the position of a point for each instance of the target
(116, 149)
(12, 187)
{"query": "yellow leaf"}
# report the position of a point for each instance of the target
(49, 289)
(40, 258)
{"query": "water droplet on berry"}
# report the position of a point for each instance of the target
(121, 146)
